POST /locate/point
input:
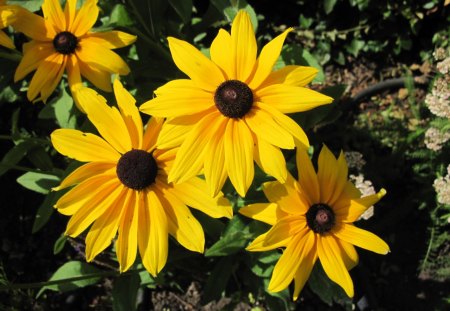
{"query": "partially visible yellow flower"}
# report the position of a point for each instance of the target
(7, 17)
(123, 188)
(61, 40)
(312, 218)
(231, 110)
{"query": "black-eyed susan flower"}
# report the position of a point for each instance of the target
(7, 17)
(312, 218)
(62, 40)
(231, 111)
(123, 188)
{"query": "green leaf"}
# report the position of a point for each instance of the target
(15, 154)
(38, 182)
(59, 244)
(230, 8)
(234, 239)
(124, 292)
(183, 9)
(355, 47)
(45, 210)
(322, 286)
(328, 5)
(69, 270)
(120, 16)
(218, 279)
(61, 109)
(30, 5)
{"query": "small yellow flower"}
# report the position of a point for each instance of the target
(7, 17)
(61, 40)
(313, 219)
(124, 187)
(231, 111)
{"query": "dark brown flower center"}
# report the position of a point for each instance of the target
(65, 42)
(320, 218)
(137, 169)
(233, 98)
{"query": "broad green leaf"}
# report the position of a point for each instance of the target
(120, 16)
(218, 279)
(45, 210)
(30, 5)
(328, 5)
(355, 47)
(230, 8)
(72, 269)
(61, 109)
(124, 292)
(38, 182)
(15, 154)
(183, 9)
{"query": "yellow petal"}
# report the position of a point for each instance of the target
(243, 46)
(85, 18)
(286, 195)
(98, 77)
(7, 15)
(267, 58)
(238, 145)
(45, 73)
(101, 58)
(291, 75)
(194, 193)
(6, 41)
(265, 212)
(143, 223)
(270, 159)
(182, 225)
(287, 123)
(291, 261)
(303, 273)
(127, 241)
(371, 199)
(289, 99)
(307, 177)
(361, 238)
(175, 130)
(341, 175)
(53, 81)
(331, 259)
(106, 119)
(104, 229)
(214, 169)
(53, 13)
(112, 39)
(219, 47)
(286, 228)
(350, 212)
(94, 208)
(176, 86)
(77, 197)
(33, 26)
(326, 175)
(155, 256)
(349, 254)
(350, 192)
(260, 244)
(74, 76)
(84, 172)
(130, 114)
(265, 127)
(190, 157)
(84, 147)
(185, 101)
(70, 11)
(195, 65)
(151, 134)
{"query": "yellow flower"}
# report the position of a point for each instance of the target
(313, 219)
(124, 188)
(7, 17)
(231, 110)
(62, 41)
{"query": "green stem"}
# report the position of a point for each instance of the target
(23, 168)
(68, 280)
(15, 56)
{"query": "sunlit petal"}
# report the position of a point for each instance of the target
(84, 172)
(85, 18)
(265, 212)
(291, 75)
(361, 238)
(111, 39)
(219, 51)
(270, 159)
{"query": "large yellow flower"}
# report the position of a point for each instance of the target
(7, 17)
(231, 110)
(62, 40)
(313, 219)
(124, 188)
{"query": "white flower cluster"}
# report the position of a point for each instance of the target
(435, 139)
(442, 187)
(366, 188)
(438, 101)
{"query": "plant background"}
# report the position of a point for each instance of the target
(356, 44)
